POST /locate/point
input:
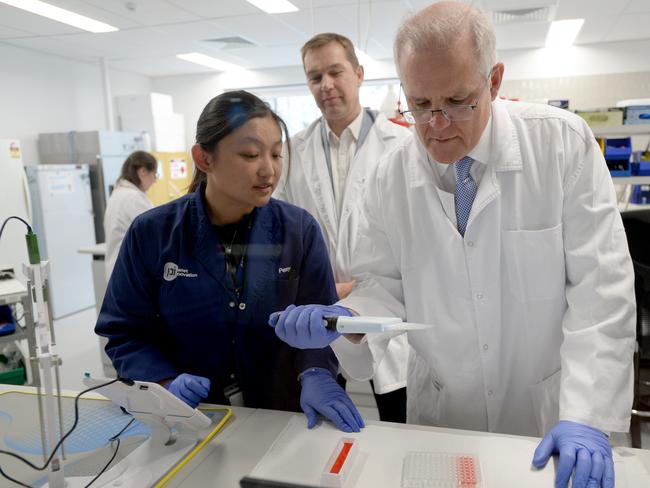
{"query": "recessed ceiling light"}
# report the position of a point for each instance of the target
(562, 33)
(208, 61)
(61, 15)
(274, 6)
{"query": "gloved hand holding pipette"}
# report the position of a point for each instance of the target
(303, 326)
(316, 326)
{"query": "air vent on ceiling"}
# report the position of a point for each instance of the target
(235, 42)
(539, 14)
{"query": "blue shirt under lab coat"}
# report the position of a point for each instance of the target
(171, 308)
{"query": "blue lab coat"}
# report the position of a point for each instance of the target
(170, 306)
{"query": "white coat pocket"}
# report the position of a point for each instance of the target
(425, 394)
(535, 263)
(546, 402)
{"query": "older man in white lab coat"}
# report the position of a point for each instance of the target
(498, 226)
(330, 164)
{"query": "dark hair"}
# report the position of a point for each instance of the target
(225, 114)
(320, 40)
(135, 161)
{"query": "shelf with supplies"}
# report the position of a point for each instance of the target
(619, 136)
(631, 180)
(626, 130)
(12, 292)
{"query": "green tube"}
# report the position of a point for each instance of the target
(32, 248)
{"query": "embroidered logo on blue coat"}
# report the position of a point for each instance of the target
(171, 271)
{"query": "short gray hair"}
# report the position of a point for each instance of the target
(422, 30)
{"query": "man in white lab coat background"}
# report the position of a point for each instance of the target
(327, 175)
(499, 226)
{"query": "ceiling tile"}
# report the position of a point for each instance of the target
(147, 12)
(306, 4)
(262, 29)
(580, 9)
(56, 47)
(630, 26)
(522, 35)
(340, 19)
(268, 57)
(636, 6)
(9, 32)
(32, 23)
(211, 9)
(195, 32)
(594, 29)
(97, 11)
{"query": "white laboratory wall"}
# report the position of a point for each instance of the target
(583, 70)
(45, 93)
(192, 92)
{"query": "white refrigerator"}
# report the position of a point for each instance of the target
(63, 221)
(103, 151)
(14, 201)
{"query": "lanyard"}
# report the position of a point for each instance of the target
(235, 270)
(369, 117)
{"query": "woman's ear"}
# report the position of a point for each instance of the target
(201, 158)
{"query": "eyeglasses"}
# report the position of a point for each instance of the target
(453, 113)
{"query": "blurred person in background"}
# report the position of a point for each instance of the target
(127, 201)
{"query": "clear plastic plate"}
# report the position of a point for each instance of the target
(440, 470)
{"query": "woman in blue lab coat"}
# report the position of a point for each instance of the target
(194, 283)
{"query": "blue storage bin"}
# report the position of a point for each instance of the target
(619, 167)
(640, 194)
(620, 148)
(637, 114)
(640, 168)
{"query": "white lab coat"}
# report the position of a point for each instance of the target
(125, 203)
(310, 187)
(533, 311)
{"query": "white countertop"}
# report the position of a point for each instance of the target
(246, 438)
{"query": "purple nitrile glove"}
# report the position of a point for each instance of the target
(190, 388)
(580, 446)
(303, 327)
(321, 394)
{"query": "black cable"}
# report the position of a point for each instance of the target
(29, 227)
(19, 483)
(123, 430)
(74, 425)
(115, 437)
(106, 466)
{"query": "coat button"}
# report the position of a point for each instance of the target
(231, 304)
(485, 347)
(470, 244)
(479, 296)
(242, 306)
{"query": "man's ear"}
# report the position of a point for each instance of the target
(360, 75)
(496, 79)
(201, 158)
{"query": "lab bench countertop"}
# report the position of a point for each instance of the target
(242, 443)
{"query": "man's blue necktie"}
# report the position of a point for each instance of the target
(465, 192)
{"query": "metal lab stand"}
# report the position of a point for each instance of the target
(13, 291)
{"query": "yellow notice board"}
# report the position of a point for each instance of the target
(174, 176)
